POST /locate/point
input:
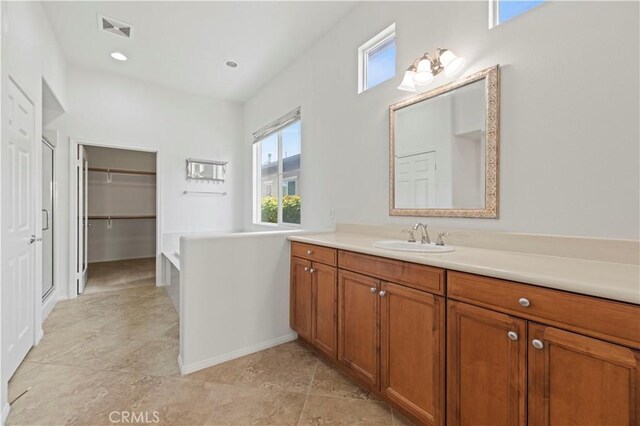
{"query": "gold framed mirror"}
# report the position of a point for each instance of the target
(443, 150)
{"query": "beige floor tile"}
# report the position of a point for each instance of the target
(329, 382)
(247, 405)
(117, 352)
(228, 372)
(321, 410)
(61, 395)
(278, 369)
(120, 275)
(178, 402)
(399, 419)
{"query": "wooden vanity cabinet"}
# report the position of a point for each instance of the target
(300, 309)
(313, 297)
(358, 331)
(499, 353)
(487, 367)
(412, 351)
(579, 380)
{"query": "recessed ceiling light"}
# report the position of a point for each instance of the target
(231, 64)
(118, 56)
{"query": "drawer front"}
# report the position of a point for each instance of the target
(614, 321)
(413, 275)
(320, 254)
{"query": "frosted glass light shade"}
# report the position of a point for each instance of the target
(451, 63)
(407, 82)
(423, 74)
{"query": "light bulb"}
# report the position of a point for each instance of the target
(118, 56)
(407, 81)
(423, 74)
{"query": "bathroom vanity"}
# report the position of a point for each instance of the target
(448, 340)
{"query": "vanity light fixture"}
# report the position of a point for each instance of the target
(118, 56)
(424, 69)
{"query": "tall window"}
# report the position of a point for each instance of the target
(377, 59)
(503, 10)
(276, 158)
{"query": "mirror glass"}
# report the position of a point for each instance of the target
(439, 153)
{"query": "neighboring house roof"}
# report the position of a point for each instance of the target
(289, 164)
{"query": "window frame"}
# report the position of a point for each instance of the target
(494, 13)
(277, 183)
(363, 55)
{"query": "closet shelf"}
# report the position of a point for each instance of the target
(121, 171)
(121, 217)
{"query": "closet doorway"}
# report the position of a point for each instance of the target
(116, 226)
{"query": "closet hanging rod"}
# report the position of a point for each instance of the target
(121, 171)
(204, 192)
(120, 217)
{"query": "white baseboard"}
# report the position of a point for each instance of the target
(49, 304)
(5, 413)
(219, 359)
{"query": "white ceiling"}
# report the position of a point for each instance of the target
(184, 45)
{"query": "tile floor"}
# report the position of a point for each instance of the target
(110, 352)
(120, 274)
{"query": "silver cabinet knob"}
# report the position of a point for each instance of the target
(524, 302)
(373, 290)
(382, 293)
(512, 335)
(306, 269)
(309, 252)
(537, 344)
(312, 270)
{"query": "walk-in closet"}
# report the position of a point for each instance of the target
(118, 228)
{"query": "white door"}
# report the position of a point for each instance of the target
(47, 218)
(18, 230)
(416, 181)
(83, 220)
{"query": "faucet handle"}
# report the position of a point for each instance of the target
(412, 238)
(439, 240)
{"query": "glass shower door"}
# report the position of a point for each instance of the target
(47, 219)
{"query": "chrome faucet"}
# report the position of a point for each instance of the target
(425, 234)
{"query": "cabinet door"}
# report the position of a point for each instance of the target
(486, 365)
(301, 296)
(412, 368)
(358, 325)
(577, 380)
(325, 315)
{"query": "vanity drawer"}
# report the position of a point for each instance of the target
(316, 253)
(420, 277)
(609, 320)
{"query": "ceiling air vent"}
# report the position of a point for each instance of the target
(114, 26)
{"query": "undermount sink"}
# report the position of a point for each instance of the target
(416, 247)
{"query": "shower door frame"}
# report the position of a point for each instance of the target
(73, 206)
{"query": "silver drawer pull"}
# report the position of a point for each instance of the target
(306, 269)
(373, 290)
(537, 344)
(309, 252)
(512, 335)
(524, 302)
(312, 270)
(382, 293)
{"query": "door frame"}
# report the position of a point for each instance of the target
(73, 205)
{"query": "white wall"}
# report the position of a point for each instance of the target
(30, 54)
(114, 110)
(231, 304)
(569, 151)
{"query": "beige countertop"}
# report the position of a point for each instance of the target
(616, 281)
